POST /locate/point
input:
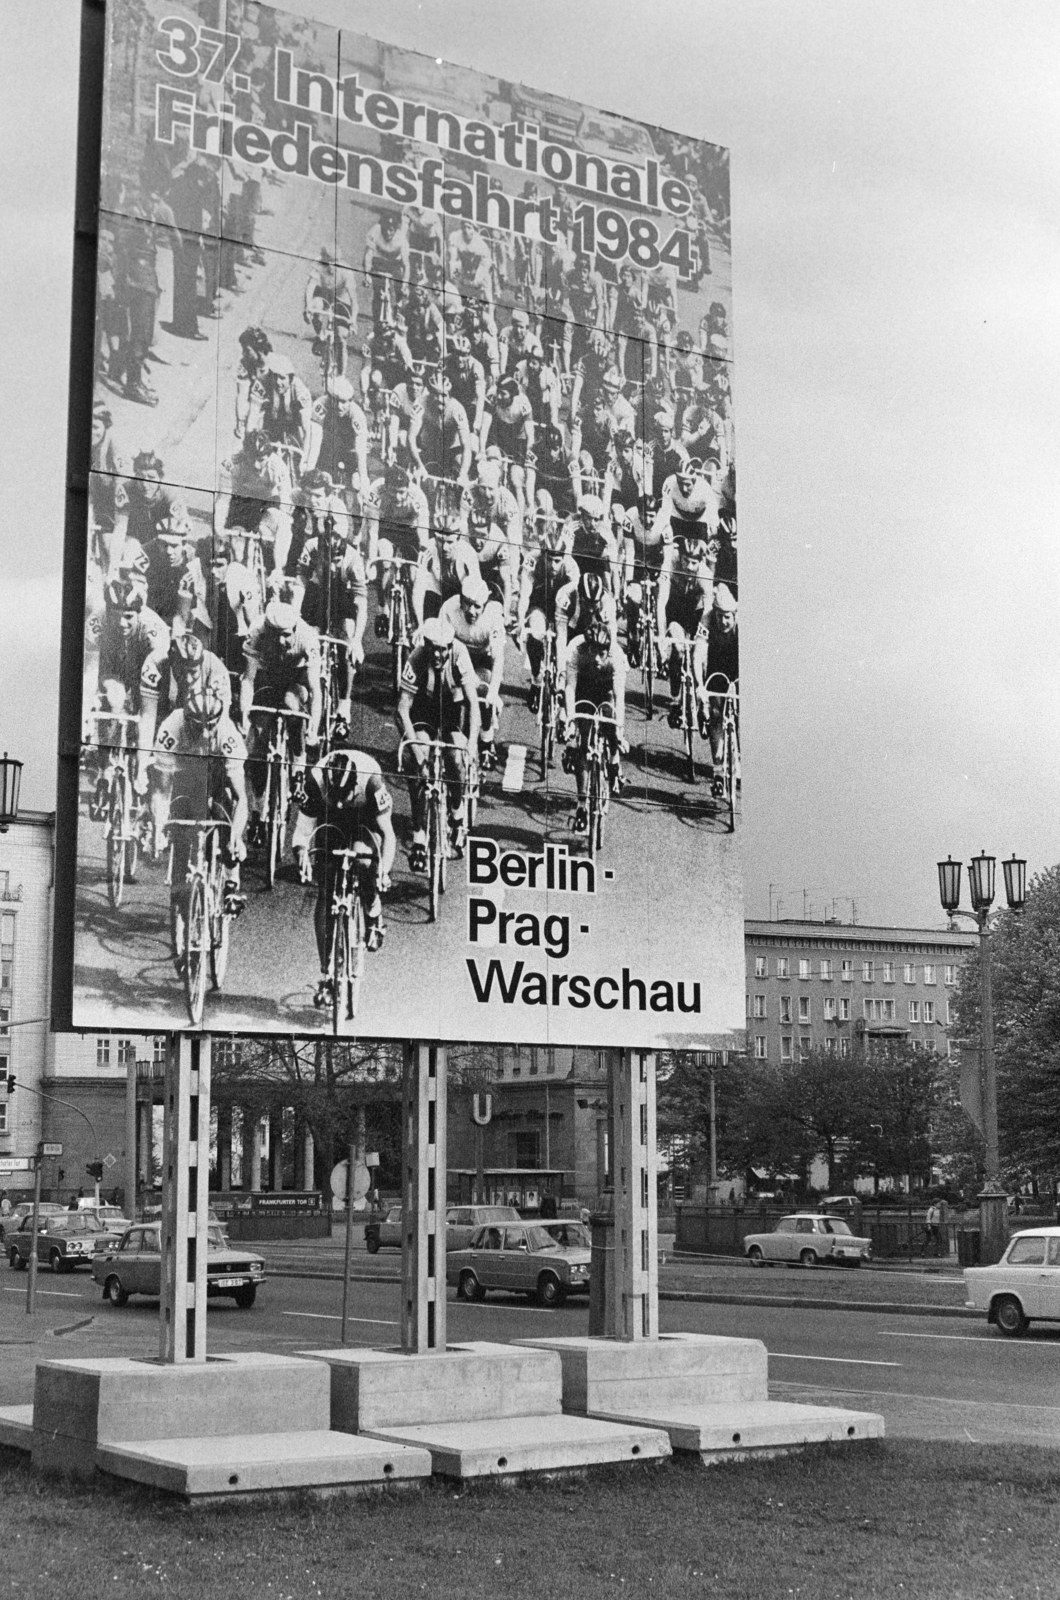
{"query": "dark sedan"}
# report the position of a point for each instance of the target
(133, 1265)
(65, 1241)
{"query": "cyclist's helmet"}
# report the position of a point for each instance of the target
(326, 256)
(281, 616)
(592, 508)
(134, 560)
(318, 479)
(624, 440)
(397, 479)
(474, 591)
(101, 413)
(278, 366)
(147, 463)
(342, 777)
(507, 389)
(256, 339)
(554, 439)
(340, 388)
(724, 600)
(592, 588)
(437, 634)
(554, 540)
(598, 637)
(459, 345)
(205, 704)
(125, 594)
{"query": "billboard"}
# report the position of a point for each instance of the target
(408, 696)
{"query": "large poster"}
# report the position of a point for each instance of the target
(410, 700)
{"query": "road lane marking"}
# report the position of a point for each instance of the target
(935, 1399)
(965, 1338)
(58, 1294)
(843, 1361)
(512, 781)
(333, 1316)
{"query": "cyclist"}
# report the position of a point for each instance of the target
(349, 799)
(424, 327)
(439, 434)
(592, 445)
(557, 472)
(591, 540)
(511, 430)
(644, 552)
(517, 342)
(683, 601)
(438, 700)
(256, 496)
(287, 409)
(133, 646)
(255, 347)
(149, 499)
(399, 526)
(110, 495)
(467, 382)
(668, 456)
(336, 603)
(386, 256)
(408, 398)
(426, 245)
(477, 621)
(498, 557)
(316, 501)
(176, 584)
(624, 478)
(723, 658)
(550, 575)
(198, 774)
(328, 290)
(449, 558)
(191, 663)
(342, 451)
(281, 669)
(477, 321)
(579, 606)
(540, 383)
(469, 262)
(234, 602)
(595, 674)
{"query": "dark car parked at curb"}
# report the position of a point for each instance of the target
(66, 1241)
(13, 1221)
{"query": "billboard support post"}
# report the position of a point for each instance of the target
(423, 1171)
(632, 1295)
(131, 1069)
(185, 1200)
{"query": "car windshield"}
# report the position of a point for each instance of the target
(218, 1239)
(539, 1239)
(1027, 1251)
(573, 1235)
(835, 1226)
(496, 1213)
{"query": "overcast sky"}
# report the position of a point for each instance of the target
(897, 361)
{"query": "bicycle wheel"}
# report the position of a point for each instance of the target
(220, 925)
(472, 794)
(729, 774)
(357, 952)
(196, 945)
(117, 827)
(688, 730)
(548, 722)
(594, 804)
(340, 971)
(274, 809)
(435, 852)
(648, 646)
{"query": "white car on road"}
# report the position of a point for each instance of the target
(808, 1237)
(1023, 1287)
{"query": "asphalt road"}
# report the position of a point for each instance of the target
(930, 1377)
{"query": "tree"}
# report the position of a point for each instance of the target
(1025, 969)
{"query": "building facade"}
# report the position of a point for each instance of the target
(834, 987)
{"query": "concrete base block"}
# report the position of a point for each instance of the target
(736, 1429)
(81, 1404)
(262, 1463)
(508, 1445)
(476, 1381)
(647, 1377)
(16, 1427)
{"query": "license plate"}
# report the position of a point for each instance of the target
(228, 1283)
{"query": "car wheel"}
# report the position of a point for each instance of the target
(469, 1287)
(755, 1256)
(550, 1292)
(113, 1291)
(246, 1296)
(55, 1261)
(808, 1258)
(1009, 1317)
(371, 1244)
(15, 1259)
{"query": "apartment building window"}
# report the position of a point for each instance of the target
(7, 953)
(782, 966)
(804, 1045)
(158, 1050)
(868, 972)
(929, 1010)
(846, 971)
(760, 1047)
(888, 1011)
(872, 1010)
(829, 1009)
(3, 1110)
(949, 975)
(908, 973)
(804, 1008)
(914, 1010)
(929, 974)
(785, 1046)
(524, 1149)
(826, 969)
(888, 972)
(785, 1008)
(829, 1045)
(844, 1047)
(950, 1018)
(760, 966)
(844, 1010)
(126, 1052)
(103, 1051)
(760, 1005)
(804, 967)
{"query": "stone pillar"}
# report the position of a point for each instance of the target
(224, 1148)
(308, 1159)
(131, 1128)
(632, 1294)
(423, 1177)
(145, 1162)
(252, 1149)
(275, 1150)
(185, 1201)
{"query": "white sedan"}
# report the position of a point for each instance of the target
(1023, 1287)
(809, 1238)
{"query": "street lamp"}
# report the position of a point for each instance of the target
(992, 1204)
(10, 783)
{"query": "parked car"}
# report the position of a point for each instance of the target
(808, 1237)
(462, 1221)
(13, 1221)
(1023, 1287)
(384, 1231)
(112, 1217)
(133, 1265)
(519, 1256)
(572, 1235)
(65, 1241)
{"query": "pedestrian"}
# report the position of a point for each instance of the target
(548, 1206)
(5, 1204)
(934, 1218)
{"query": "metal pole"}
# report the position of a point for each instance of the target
(423, 1186)
(351, 1157)
(993, 1229)
(31, 1287)
(185, 1201)
(713, 1136)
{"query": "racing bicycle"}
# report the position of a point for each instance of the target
(597, 730)
(434, 779)
(121, 808)
(548, 708)
(276, 798)
(687, 706)
(199, 925)
(726, 691)
(347, 945)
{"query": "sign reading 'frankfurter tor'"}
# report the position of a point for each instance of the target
(409, 692)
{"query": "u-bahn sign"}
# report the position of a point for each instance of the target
(401, 677)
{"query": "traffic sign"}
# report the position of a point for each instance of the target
(16, 1164)
(109, 1160)
(51, 1149)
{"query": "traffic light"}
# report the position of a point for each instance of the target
(11, 1083)
(94, 1169)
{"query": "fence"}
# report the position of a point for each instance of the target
(721, 1231)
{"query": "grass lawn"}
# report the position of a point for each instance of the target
(903, 1519)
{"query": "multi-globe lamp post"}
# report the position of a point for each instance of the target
(992, 1202)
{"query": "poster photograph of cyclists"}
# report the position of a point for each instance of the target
(410, 700)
